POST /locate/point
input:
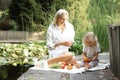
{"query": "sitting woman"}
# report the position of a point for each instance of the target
(60, 36)
(90, 51)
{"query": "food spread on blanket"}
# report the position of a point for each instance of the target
(56, 67)
(61, 65)
(69, 66)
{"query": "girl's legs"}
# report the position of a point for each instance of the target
(81, 63)
(84, 64)
(91, 64)
(88, 65)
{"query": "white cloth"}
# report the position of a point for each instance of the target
(54, 36)
(75, 70)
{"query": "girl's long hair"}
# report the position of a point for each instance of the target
(90, 37)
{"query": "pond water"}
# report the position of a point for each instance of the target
(9, 72)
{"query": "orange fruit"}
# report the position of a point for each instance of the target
(86, 59)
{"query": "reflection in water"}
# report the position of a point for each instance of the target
(9, 72)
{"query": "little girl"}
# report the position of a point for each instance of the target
(90, 51)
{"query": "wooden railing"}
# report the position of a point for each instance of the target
(20, 36)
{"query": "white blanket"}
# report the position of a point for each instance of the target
(75, 70)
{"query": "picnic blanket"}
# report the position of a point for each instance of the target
(75, 70)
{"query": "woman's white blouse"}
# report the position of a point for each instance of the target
(54, 36)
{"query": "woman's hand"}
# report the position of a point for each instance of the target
(65, 43)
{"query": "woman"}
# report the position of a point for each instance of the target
(60, 36)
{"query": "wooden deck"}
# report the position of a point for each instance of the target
(104, 74)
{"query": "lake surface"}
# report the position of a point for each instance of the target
(9, 72)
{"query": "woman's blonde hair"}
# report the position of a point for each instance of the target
(90, 37)
(60, 13)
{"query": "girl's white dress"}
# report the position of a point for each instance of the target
(90, 51)
(54, 36)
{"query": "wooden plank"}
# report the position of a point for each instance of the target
(110, 45)
(18, 36)
(13, 36)
(118, 51)
(114, 47)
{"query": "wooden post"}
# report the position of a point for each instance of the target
(114, 48)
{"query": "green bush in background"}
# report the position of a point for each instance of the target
(76, 48)
(85, 15)
(101, 14)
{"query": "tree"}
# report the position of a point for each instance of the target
(26, 13)
(45, 4)
(4, 4)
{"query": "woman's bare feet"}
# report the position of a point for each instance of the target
(77, 65)
(74, 62)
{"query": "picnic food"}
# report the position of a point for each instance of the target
(55, 66)
(62, 65)
(86, 59)
(69, 66)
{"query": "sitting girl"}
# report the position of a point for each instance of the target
(90, 51)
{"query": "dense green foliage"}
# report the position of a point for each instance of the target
(85, 15)
(76, 48)
(45, 4)
(101, 14)
(25, 13)
(21, 53)
(4, 4)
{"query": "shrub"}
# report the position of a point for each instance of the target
(21, 53)
(76, 48)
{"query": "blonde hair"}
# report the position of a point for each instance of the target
(60, 13)
(90, 37)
